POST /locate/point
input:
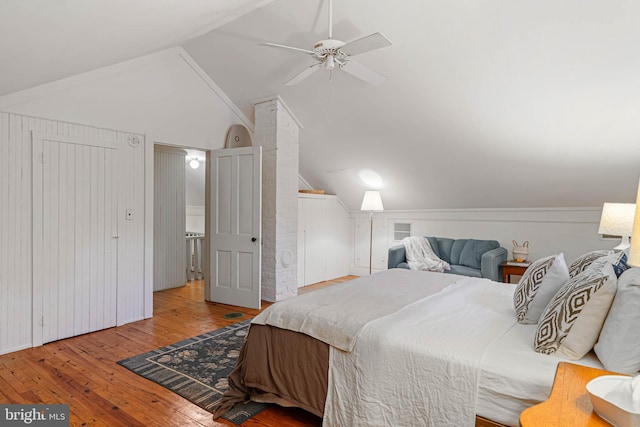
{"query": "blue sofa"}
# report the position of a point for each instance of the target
(468, 257)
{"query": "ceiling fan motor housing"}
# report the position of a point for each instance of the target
(328, 47)
(329, 55)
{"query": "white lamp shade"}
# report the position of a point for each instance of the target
(617, 219)
(372, 201)
(634, 252)
(194, 163)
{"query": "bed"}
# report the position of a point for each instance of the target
(400, 347)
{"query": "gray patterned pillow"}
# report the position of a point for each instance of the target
(572, 321)
(538, 285)
(583, 261)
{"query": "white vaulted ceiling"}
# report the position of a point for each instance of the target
(45, 40)
(528, 103)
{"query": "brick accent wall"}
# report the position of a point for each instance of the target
(277, 132)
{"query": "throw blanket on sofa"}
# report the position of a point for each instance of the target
(420, 256)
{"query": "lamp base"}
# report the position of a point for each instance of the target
(624, 244)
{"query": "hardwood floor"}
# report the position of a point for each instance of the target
(83, 373)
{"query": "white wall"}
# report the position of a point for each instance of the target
(548, 230)
(195, 219)
(195, 193)
(165, 98)
(165, 94)
(16, 232)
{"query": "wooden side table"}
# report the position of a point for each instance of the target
(569, 404)
(508, 270)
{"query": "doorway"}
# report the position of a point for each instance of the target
(179, 212)
(195, 213)
(231, 252)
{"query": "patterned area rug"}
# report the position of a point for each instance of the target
(197, 369)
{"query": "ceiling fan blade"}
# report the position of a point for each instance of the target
(366, 44)
(282, 46)
(363, 73)
(303, 75)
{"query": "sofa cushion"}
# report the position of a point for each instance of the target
(444, 245)
(435, 247)
(464, 271)
(471, 255)
(456, 250)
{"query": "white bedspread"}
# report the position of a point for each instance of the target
(515, 377)
(407, 368)
(335, 315)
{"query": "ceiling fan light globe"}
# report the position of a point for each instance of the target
(330, 64)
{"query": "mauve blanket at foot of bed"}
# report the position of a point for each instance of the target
(279, 366)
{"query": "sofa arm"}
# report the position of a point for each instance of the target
(397, 256)
(490, 263)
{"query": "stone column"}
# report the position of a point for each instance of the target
(277, 130)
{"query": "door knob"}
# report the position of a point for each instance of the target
(253, 239)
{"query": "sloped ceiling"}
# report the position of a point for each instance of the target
(488, 104)
(43, 40)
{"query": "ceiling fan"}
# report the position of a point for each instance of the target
(332, 53)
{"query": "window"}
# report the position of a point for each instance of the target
(401, 230)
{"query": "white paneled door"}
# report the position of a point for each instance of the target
(75, 234)
(233, 226)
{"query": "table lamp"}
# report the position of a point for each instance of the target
(617, 220)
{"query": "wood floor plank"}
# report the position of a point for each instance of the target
(82, 371)
(105, 380)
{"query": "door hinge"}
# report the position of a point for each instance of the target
(42, 158)
(42, 321)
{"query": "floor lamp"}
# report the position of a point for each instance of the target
(371, 202)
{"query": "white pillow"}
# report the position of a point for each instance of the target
(618, 347)
(537, 286)
(572, 321)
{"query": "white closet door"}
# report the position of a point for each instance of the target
(323, 239)
(75, 237)
(316, 244)
(302, 234)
